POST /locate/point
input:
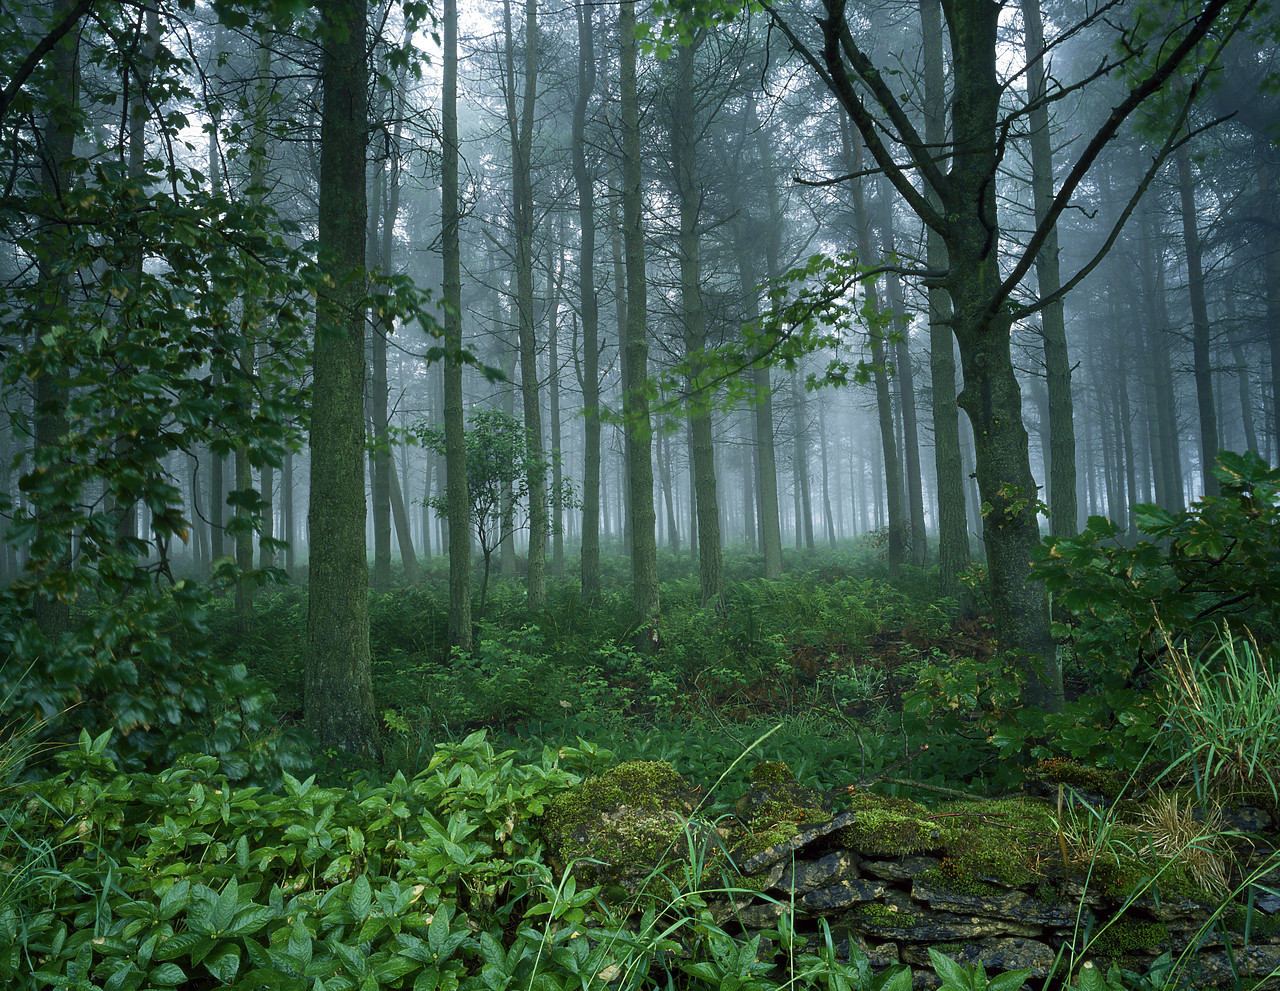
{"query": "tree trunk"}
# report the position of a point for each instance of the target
(289, 536)
(1061, 482)
(379, 462)
(1200, 330)
(991, 396)
(953, 528)
(585, 181)
(556, 527)
(884, 407)
(339, 695)
(521, 135)
(919, 543)
(826, 486)
(459, 500)
(702, 454)
(635, 404)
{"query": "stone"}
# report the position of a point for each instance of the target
(806, 876)
(995, 955)
(1006, 904)
(1240, 969)
(934, 927)
(841, 895)
(903, 869)
(806, 835)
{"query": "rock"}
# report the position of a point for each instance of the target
(877, 954)
(993, 954)
(775, 793)
(1240, 969)
(903, 869)
(934, 927)
(1004, 904)
(809, 875)
(807, 834)
(841, 895)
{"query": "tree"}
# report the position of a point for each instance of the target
(635, 402)
(455, 452)
(684, 146)
(339, 693)
(500, 463)
(520, 128)
(584, 179)
(1061, 455)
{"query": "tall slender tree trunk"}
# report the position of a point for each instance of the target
(826, 485)
(1202, 368)
(1063, 512)
(635, 404)
(585, 182)
(553, 396)
(1166, 450)
(521, 134)
(253, 314)
(953, 529)
(884, 408)
(289, 534)
(339, 694)
(800, 435)
(702, 454)
(217, 466)
(919, 545)
(458, 498)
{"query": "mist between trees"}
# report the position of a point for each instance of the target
(953, 275)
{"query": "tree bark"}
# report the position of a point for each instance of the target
(339, 694)
(1063, 512)
(635, 403)
(953, 529)
(884, 407)
(521, 134)
(702, 454)
(919, 543)
(458, 499)
(584, 179)
(1202, 369)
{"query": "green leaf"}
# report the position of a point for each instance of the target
(361, 898)
(954, 977)
(1009, 981)
(167, 975)
(224, 964)
(224, 908)
(174, 900)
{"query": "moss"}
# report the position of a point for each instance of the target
(650, 786)
(632, 819)
(888, 826)
(1261, 927)
(959, 880)
(770, 772)
(883, 914)
(1063, 770)
(1128, 933)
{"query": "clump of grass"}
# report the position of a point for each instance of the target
(1223, 710)
(1180, 830)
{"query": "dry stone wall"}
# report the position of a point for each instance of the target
(989, 882)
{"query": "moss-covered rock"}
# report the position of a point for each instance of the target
(775, 797)
(625, 825)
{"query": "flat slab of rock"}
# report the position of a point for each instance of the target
(994, 954)
(805, 876)
(840, 895)
(903, 869)
(807, 834)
